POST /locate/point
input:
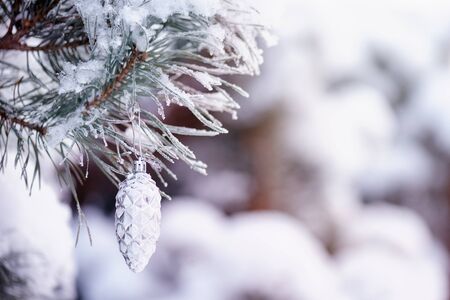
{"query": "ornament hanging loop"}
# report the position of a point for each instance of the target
(139, 166)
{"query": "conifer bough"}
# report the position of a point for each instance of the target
(90, 80)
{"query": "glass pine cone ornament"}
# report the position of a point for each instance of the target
(138, 217)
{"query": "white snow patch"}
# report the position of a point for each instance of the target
(165, 8)
(428, 112)
(74, 78)
(57, 133)
(37, 227)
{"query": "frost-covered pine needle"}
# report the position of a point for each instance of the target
(68, 70)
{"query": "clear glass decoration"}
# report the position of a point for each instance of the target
(138, 217)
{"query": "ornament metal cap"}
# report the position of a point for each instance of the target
(139, 166)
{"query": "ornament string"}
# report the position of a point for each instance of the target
(136, 110)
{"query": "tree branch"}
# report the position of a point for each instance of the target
(22, 123)
(97, 101)
(135, 57)
(12, 41)
(12, 44)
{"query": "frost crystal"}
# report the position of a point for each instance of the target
(74, 78)
(164, 8)
(57, 133)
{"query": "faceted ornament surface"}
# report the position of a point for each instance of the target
(137, 219)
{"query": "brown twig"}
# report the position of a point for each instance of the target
(12, 41)
(25, 124)
(15, 45)
(135, 57)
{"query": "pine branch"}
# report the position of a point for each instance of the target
(26, 25)
(88, 99)
(38, 23)
(13, 44)
(135, 57)
(22, 123)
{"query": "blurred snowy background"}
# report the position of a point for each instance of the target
(334, 183)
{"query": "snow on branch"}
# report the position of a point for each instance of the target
(94, 77)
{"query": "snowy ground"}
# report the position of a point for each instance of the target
(384, 253)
